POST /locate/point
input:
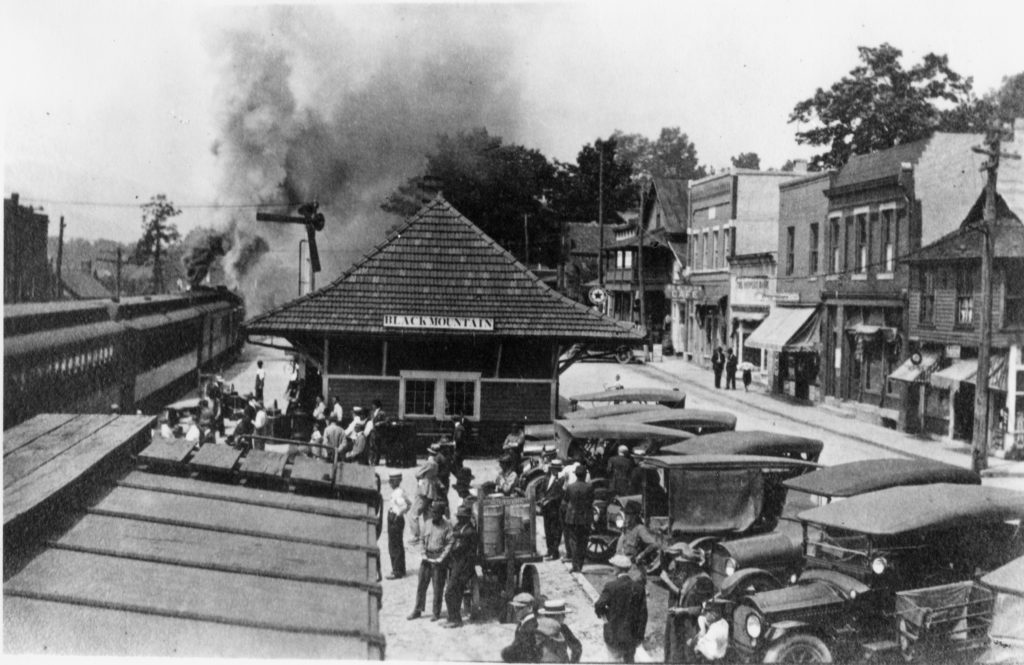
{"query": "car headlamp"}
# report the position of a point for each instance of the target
(730, 567)
(792, 578)
(753, 626)
(620, 520)
(878, 565)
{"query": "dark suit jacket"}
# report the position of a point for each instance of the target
(619, 470)
(578, 503)
(717, 360)
(623, 603)
(549, 499)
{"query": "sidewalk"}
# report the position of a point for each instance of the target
(698, 380)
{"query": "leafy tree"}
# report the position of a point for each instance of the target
(494, 184)
(157, 233)
(747, 160)
(880, 104)
(672, 155)
(579, 186)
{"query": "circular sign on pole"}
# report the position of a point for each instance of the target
(915, 358)
(598, 295)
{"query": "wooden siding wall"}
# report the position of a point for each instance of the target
(944, 330)
(363, 390)
(505, 402)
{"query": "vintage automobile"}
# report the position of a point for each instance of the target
(670, 397)
(702, 498)
(750, 442)
(695, 421)
(845, 480)
(1007, 629)
(613, 410)
(859, 553)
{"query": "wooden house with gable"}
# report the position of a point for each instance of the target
(440, 320)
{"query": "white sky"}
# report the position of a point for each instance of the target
(116, 101)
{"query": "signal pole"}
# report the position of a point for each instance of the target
(600, 215)
(117, 261)
(979, 452)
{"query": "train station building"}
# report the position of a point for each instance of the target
(440, 320)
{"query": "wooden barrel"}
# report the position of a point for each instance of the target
(492, 532)
(517, 528)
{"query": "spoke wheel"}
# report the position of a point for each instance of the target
(600, 549)
(799, 648)
(623, 355)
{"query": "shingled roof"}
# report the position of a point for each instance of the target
(439, 264)
(673, 195)
(966, 242)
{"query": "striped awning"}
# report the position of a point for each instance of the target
(786, 329)
(966, 371)
(908, 372)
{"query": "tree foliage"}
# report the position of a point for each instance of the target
(672, 155)
(747, 160)
(880, 104)
(157, 234)
(579, 186)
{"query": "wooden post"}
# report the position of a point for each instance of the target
(600, 216)
(60, 258)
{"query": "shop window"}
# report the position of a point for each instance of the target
(790, 249)
(965, 297)
(812, 267)
(1013, 306)
(927, 310)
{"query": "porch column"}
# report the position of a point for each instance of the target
(952, 410)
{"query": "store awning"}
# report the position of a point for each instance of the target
(786, 329)
(749, 316)
(966, 371)
(909, 372)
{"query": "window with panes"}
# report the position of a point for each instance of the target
(965, 296)
(927, 287)
(812, 264)
(834, 245)
(861, 260)
(1013, 299)
(888, 251)
(790, 249)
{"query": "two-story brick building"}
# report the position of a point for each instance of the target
(789, 340)
(26, 270)
(882, 206)
(733, 217)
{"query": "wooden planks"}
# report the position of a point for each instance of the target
(247, 495)
(192, 593)
(45, 449)
(232, 517)
(357, 477)
(42, 626)
(216, 457)
(203, 548)
(312, 472)
(167, 451)
(28, 431)
(45, 480)
(263, 464)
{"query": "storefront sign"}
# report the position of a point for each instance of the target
(679, 292)
(437, 322)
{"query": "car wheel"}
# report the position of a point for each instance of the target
(600, 549)
(623, 355)
(529, 580)
(799, 648)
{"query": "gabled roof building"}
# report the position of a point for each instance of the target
(440, 320)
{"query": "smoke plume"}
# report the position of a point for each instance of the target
(342, 106)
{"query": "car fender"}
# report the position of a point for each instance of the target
(743, 579)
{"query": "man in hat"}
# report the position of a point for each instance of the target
(514, 444)
(507, 477)
(444, 464)
(465, 542)
(577, 514)
(550, 503)
(460, 440)
(636, 541)
(261, 380)
(623, 605)
(554, 611)
(426, 493)
(334, 438)
(397, 509)
(524, 644)
(680, 563)
(437, 546)
(688, 587)
(620, 467)
(357, 452)
(373, 441)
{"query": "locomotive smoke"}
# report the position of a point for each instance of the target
(342, 108)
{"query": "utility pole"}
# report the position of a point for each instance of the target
(979, 453)
(526, 240)
(600, 215)
(640, 265)
(117, 283)
(561, 255)
(60, 255)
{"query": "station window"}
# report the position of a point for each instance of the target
(419, 397)
(440, 396)
(459, 397)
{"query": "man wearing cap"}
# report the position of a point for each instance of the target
(465, 542)
(524, 645)
(636, 541)
(688, 587)
(397, 509)
(623, 605)
(550, 504)
(619, 469)
(426, 493)
(577, 514)
(437, 546)
(680, 563)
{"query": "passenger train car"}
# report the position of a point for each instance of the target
(85, 356)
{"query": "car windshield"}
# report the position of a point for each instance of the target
(720, 500)
(836, 545)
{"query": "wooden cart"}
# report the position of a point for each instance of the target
(508, 549)
(942, 619)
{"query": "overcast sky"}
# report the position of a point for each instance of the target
(111, 102)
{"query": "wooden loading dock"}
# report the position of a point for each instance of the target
(169, 558)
